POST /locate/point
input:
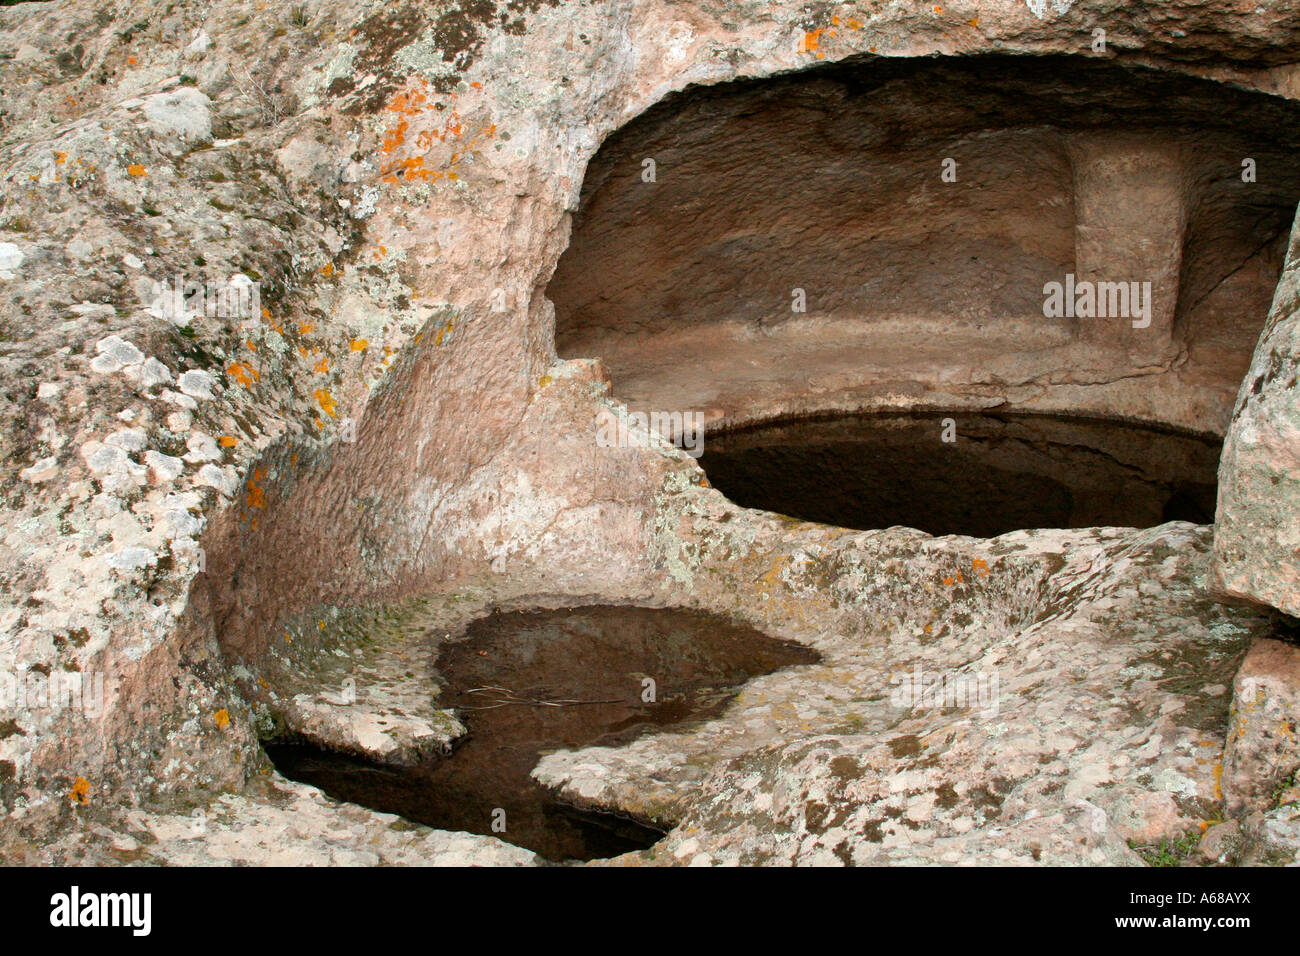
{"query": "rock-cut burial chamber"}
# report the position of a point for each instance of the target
(918, 210)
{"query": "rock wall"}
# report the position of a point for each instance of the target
(879, 232)
(1257, 532)
(182, 477)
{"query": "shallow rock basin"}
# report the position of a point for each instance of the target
(526, 683)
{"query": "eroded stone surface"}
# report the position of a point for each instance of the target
(1110, 702)
(1263, 747)
(276, 823)
(391, 419)
(802, 243)
(1257, 535)
(350, 685)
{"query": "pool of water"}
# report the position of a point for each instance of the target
(1000, 473)
(526, 683)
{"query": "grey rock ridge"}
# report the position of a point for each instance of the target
(309, 312)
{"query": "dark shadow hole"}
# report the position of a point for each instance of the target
(1000, 473)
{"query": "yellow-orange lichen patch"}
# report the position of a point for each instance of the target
(326, 402)
(411, 168)
(395, 137)
(256, 496)
(408, 103)
(243, 373)
(811, 40)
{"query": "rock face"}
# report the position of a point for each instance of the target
(278, 345)
(1257, 535)
(1024, 699)
(1263, 752)
(881, 232)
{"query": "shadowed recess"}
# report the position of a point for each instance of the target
(828, 184)
(527, 683)
(998, 474)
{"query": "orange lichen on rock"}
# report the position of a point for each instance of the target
(409, 169)
(408, 103)
(326, 402)
(243, 373)
(80, 791)
(135, 169)
(256, 495)
(395, 137)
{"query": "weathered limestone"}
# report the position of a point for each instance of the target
(1084, 725)
(1131, 206)
(182, 488)
(1263, 750)
(1257, 534)
(275, 823)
